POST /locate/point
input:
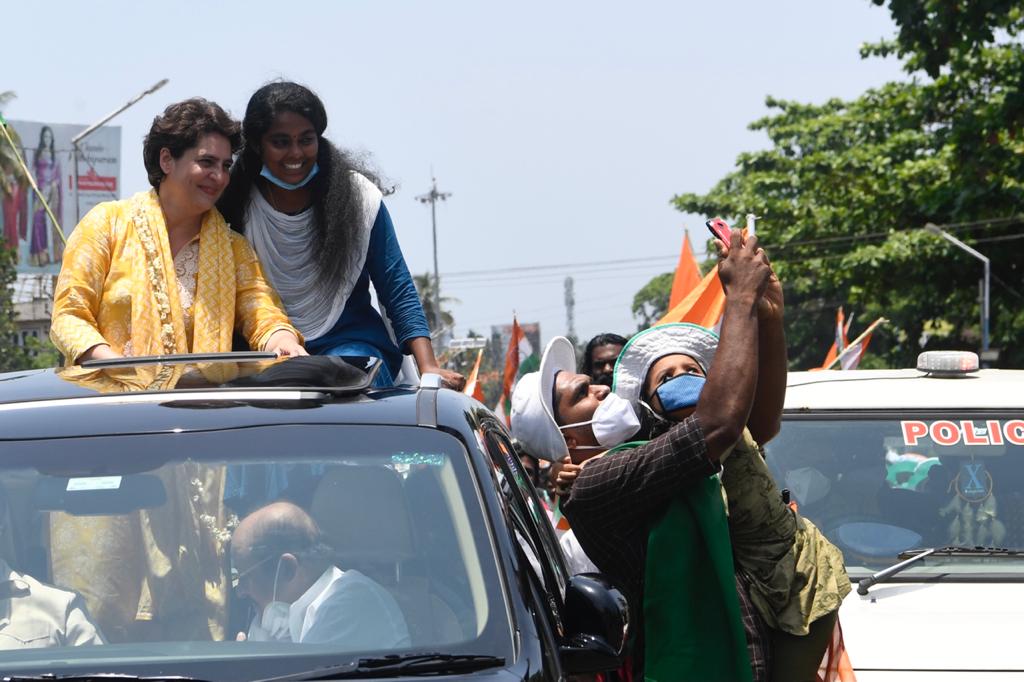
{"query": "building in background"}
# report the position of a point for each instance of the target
(33, 304)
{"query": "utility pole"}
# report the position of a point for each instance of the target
(570, 309)
(103, 121)
(432, 197)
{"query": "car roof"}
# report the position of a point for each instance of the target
(903, 389)
(77, 402)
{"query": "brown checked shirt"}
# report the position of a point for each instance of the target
(615, 501)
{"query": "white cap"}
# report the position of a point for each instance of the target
(533, 414)
(650, 345)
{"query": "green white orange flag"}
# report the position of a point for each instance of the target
(840, 342)
(519, 350)
(687, 275)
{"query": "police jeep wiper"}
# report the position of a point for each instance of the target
(912, 556)
(396, 665)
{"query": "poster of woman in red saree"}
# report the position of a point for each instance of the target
(15, 211)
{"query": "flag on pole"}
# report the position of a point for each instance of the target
(849, 354)
(687, 275)
(839, 344)
(855, 353)
(703, 305)
(519, 349)
(473, 387)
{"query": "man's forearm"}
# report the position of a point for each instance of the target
(728, 395)
(770, 395)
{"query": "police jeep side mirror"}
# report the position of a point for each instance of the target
(596, 625)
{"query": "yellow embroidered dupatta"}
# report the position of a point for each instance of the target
(158, 325)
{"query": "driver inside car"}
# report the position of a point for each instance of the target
(36, 615)
(301, 596)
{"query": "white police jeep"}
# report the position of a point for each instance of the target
(918, 476)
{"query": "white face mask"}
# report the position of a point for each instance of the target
(273, 624)
(613, 423)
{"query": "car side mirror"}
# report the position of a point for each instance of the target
(596, 625)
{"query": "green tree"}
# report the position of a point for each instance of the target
(425, 286)
(651, 302)
(12, 356)
(846, 187)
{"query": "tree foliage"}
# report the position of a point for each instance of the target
(12, 356)
(847, 186)
(651, 302)
(425, 286)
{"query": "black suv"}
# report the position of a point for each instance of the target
(121, 483)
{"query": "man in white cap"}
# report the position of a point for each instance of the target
(617, 499)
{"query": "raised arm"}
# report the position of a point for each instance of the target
(772, 360)
(396, 291)
(728, 395)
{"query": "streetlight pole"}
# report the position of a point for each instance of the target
(432, 197)
(103, 121)
(934, 229)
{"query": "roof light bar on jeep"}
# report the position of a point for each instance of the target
(947, 362)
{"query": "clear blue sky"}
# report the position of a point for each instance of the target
(561, 128)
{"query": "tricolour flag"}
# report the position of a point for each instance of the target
(687, 275)
(855, 353)
(840, 342)
(519, 349)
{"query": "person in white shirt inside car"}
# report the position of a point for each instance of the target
(286, 570)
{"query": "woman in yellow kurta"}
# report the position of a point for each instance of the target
(161, 272)
(156, 274)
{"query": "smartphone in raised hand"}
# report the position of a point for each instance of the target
(720, 229)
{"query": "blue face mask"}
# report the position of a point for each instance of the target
(287, 185)
(680, 392)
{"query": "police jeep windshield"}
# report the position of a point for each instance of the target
(159, 554)
(878, 487)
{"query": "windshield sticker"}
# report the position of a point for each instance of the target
(973, 482)
(946, 432)
(94, 483)
(428, 458)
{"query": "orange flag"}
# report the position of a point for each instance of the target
(473, 387)
(513, 356)
(687, 274)
(703, 305)
(840, 342)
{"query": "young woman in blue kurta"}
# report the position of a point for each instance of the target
(323, 234)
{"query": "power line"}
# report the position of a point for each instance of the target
(989, 223)
(559, 266)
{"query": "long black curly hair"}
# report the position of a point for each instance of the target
(336, 206)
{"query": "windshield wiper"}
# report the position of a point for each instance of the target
(912, 556)
(395, 665)
(96, 677)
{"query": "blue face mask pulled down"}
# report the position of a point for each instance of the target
(287, 185)
(680, 392)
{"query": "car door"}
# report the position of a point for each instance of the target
(532, 534)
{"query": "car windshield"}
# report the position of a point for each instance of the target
(243, 553)
(878, 487)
